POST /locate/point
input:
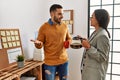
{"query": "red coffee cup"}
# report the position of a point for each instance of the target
(66, 44)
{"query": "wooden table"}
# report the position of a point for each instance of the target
(13, 72)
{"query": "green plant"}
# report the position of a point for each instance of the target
(20, 58)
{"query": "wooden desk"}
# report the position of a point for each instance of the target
(13, 72)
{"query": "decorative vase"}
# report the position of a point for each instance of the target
(20, 64)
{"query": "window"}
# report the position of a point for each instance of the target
(113, 7)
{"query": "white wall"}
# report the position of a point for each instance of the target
(28, 15)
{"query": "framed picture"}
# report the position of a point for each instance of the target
(68, 19)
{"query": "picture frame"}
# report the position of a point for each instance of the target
(68, 20)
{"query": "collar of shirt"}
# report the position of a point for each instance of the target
(51, 22)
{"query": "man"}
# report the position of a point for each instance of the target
(55, 38)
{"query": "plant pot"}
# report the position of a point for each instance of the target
(20, 64)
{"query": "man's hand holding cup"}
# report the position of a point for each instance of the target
(66, 44)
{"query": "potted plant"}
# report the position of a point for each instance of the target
(20, 61)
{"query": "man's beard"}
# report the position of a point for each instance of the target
(56, 20)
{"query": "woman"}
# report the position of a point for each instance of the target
(97, 47)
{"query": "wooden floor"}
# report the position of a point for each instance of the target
(57, 78)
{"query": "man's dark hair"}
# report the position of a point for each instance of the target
(55, 6)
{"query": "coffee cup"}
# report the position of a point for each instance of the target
(66, 44)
